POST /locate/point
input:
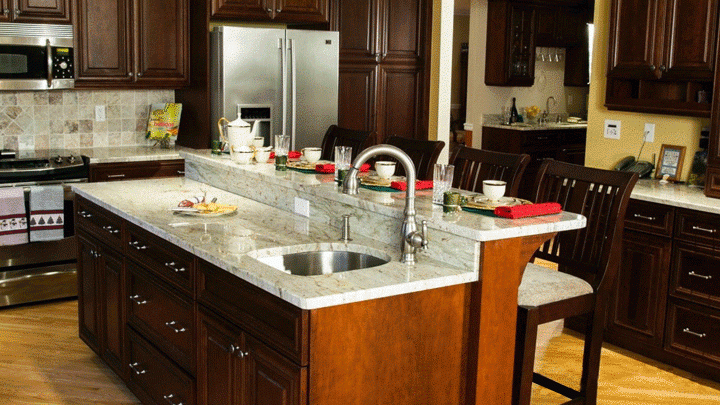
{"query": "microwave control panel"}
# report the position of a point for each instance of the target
(63, 64)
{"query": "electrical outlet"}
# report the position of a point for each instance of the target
(302, 207)
(649, 132)
(612, 129)
(100, 113)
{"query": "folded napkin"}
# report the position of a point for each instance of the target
(272, 155)
(419, 185)
(528, 210)
(13, 220)
(293, 154)
(330, 168)
(47, 217)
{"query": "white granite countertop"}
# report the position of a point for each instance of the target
(676, 195)
(522, 126)
(122, 154)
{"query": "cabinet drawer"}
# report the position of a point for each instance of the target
(162, 316)
(649, 217)
(136, 170)
(161, 257)
(574, 136)
(693, 330)
(98, 221)
(281, 325)
(154, 378)
(540, 138)
(698, 227)
(696, 273)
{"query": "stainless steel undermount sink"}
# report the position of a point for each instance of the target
(313, 263)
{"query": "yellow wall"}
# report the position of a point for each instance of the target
(604, 153)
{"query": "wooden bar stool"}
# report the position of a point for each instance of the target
(472, 166)
(337, 136)
(423, 153)
(587, 260)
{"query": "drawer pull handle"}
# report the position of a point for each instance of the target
(110, 229)
(238, 352)
(181, 172)
(134, 367)
(171, 266)
(700, 335)
(136, 299)
(115, 176)
(699, 228)
(169, 399)
(692, 273)
(137, 246)
(172, 324)
(85, 214)
(644, 217)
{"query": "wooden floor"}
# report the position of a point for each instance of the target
(42, 361)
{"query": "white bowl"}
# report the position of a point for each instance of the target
(262, 156)
(385, 169)
(494, 189)
(311, 155)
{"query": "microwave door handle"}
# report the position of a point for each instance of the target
(294, 90)
(48, 49)
(283, 89)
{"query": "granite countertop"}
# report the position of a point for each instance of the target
(122, 154)
(676, 195)
(521, 126)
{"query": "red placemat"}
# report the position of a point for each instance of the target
(419, 185)
(330, 168)
(528, 210)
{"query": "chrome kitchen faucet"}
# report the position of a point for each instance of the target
(412, 239)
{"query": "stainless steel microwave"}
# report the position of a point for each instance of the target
(36, 57)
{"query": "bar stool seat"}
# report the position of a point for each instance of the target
(541, 286)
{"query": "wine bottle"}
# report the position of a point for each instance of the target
(513, 113)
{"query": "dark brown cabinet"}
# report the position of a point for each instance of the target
(511, 28)
(661, 55)
(136, 170)
(36, 11)
(384, 66)
(132, 43)
(287, 11)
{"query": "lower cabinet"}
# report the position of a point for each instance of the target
(136, 170)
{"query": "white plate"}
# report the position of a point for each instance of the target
(194, 212)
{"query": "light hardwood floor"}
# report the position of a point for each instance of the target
(42, 361)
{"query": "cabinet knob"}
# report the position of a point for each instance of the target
(652, 68)
(278, 10)
(663, 68)
(130, 74)
(6, 12)
(17, 12)
(170, 399)
(269, 10)
(140, 74)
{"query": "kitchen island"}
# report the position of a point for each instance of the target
(428, 333)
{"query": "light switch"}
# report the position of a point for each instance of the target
(612, 129)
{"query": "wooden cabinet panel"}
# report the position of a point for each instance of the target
(696, 274)
(250, 9)
(650, 217)
(400, 102)
(693, 332)
(43, 11)
(5, 13)
(288, 11)
(99, 222)
(511, 28)
(136, 170)
(270, 379)
(698, 227)
(356, 97)
(690, 39)
(301, 11)
(162, 42)
(638, 20)
(113, 291)
(637, 310)
(358, 27)
(401, 30)
(219, 373)
(89, 299)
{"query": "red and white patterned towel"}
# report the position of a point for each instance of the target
(47, 218)
(13, 217)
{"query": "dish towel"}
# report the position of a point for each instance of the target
(330, 168)
(419, 185)
(47, 217)
(13, 217)
(528, 210)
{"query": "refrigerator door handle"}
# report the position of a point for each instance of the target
(293, 61)
(283, 88)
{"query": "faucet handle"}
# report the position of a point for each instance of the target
(346, 228)
(424, 228)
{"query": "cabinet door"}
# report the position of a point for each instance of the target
(690, 39)
(401, 30)
(111, 267)
(522, 45)
(271, 379)
(301, 11)
(571, 28)
(356, 97)
(104, 51)
(162, 42)
(219, 372)
(89, 299)
(358, 28)
(5, 11)
(636, 28)
(43, 11)
(400, 102)
(252, 10)
(637, 309)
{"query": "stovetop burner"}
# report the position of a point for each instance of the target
(42, 166)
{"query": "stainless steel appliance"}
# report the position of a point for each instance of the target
(36, 57)
(39, 271)
(295, 72)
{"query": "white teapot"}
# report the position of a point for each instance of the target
(239, 133)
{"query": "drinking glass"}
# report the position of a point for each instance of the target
(442, 181)
(343, 159)
(282, 145)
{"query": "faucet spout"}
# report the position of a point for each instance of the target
(412, 239)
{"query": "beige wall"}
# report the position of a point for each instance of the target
(604, 153)
(461, 32)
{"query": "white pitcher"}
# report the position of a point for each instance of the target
(239, 133)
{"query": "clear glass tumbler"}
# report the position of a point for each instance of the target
(343, 159)
(282, 145)
(442, 181)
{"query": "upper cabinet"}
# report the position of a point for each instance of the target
(283, 11)
(661, 56)
(36, 11)
(132, 43)
(511, 61)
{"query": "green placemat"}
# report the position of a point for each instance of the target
(486, 213)
(379, 188)
(297, 169)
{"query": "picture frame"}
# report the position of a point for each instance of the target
(670, 162)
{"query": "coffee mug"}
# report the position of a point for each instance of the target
(262, 155)
(494, 189)
(312, 155)
(258, 142)
(385, 169)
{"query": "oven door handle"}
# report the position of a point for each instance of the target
(48, 49)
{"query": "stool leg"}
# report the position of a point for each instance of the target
(526, 338)
(591, 357)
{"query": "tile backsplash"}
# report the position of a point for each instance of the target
(66, 119)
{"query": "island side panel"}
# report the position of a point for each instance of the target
(406, 349)
(493, 318)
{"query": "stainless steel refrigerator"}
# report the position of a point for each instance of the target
(286, 79)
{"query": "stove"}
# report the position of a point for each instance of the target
(52, 166)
